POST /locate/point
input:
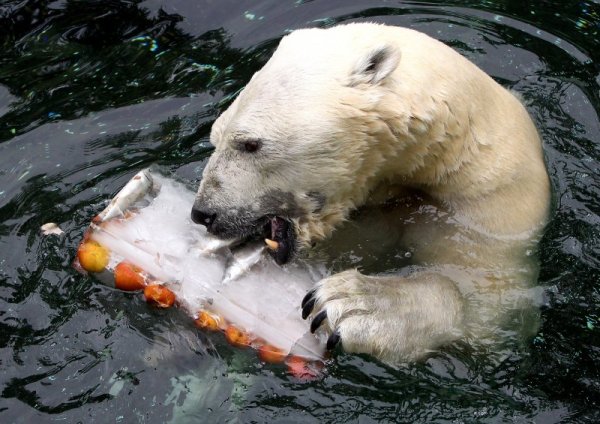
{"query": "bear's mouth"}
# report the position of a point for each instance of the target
(280, 239)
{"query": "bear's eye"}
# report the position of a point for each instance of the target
(251, 146)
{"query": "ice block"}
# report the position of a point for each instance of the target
(146, 240)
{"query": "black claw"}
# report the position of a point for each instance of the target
(310, 294)
(308, 307)
(318, 320)
(333, 340)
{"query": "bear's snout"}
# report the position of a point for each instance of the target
(202, 217)
(229, 222)
(219, 225)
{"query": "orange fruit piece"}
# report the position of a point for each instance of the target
(237, 337)
(269, 353)
(93, 257)
(159, 295)
(303, 369)
(207, 321)
(129, 277)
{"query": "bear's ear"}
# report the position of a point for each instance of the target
(375, 66)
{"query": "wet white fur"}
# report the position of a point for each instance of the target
(422, 117)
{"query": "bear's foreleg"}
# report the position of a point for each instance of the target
(394, 318)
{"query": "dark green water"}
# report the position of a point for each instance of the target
(91, 92)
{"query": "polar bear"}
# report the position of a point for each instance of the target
(361, 115)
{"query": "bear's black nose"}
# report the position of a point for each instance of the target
(202, 217)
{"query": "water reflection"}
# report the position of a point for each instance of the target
(66, 62)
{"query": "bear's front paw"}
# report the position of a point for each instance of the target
(393, 318)
(347, 307)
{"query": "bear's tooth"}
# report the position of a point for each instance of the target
(272, 244)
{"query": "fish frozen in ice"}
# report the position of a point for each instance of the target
(136, 188)
(242, 260)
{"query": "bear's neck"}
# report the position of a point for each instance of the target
(445, 150)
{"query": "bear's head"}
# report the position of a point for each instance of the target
(302, 144)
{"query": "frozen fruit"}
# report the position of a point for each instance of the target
(93, 257)
(237, 337)
(207, 321)
(159, 295)
(129, 277)
(271, 354)
(303, 369)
